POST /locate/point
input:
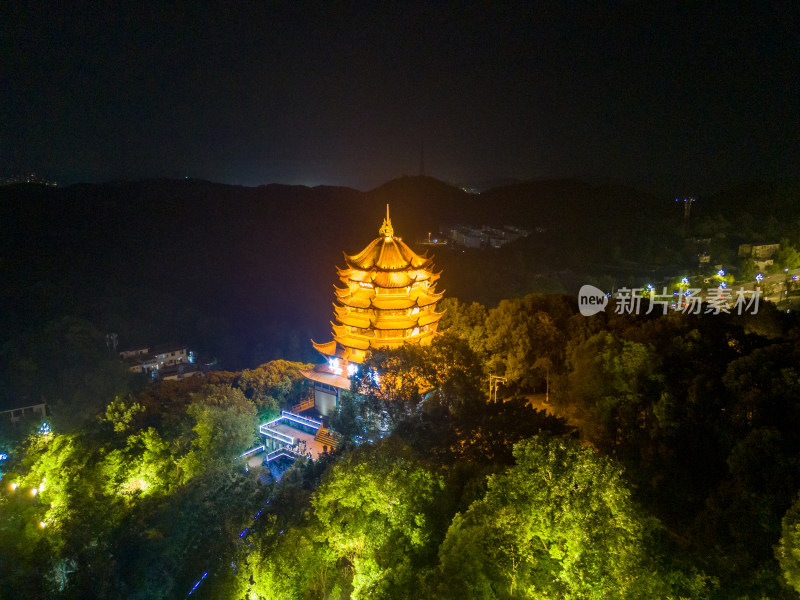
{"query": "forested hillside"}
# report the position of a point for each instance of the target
(665, 465)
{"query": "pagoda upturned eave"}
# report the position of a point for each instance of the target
(351, 318)
(367, 298)
(356, 342)
(343, 336)
(427, 318)
(327, 348)
(387, 252)
(385, 322)
(387, 279)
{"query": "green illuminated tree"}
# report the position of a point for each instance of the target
(614, 382)
(121, 415)
(522, 331)
(292, 563)
(225, 426)
(467, 321)
(442, 377)
(748, 270)
(787, 257)
(559, 524)
(788, 550)
(376, 509)
(272, 384)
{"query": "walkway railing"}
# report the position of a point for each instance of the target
(288, 452)
(266, 430)
(313, 423)
(251, 451)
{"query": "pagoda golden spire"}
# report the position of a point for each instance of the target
(386, 229)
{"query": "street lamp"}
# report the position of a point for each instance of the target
(494, 381)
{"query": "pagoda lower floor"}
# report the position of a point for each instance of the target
(325, 388)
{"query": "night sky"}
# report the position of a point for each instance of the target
(669, 97)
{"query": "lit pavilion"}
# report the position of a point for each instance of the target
(388, 299)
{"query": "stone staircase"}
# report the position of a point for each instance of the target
(326, 437)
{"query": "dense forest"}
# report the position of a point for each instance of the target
(665, 466)
(665, 463)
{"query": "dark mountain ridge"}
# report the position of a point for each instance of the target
(188, 259)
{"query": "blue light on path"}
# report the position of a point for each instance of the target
(199, 581)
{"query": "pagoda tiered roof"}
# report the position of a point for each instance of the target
(387, 253)
(383, 321)
(360, 297)
(387, 279)
(388, 299)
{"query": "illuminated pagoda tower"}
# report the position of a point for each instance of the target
(388, 299)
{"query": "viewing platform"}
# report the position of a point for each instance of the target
(292, 435)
